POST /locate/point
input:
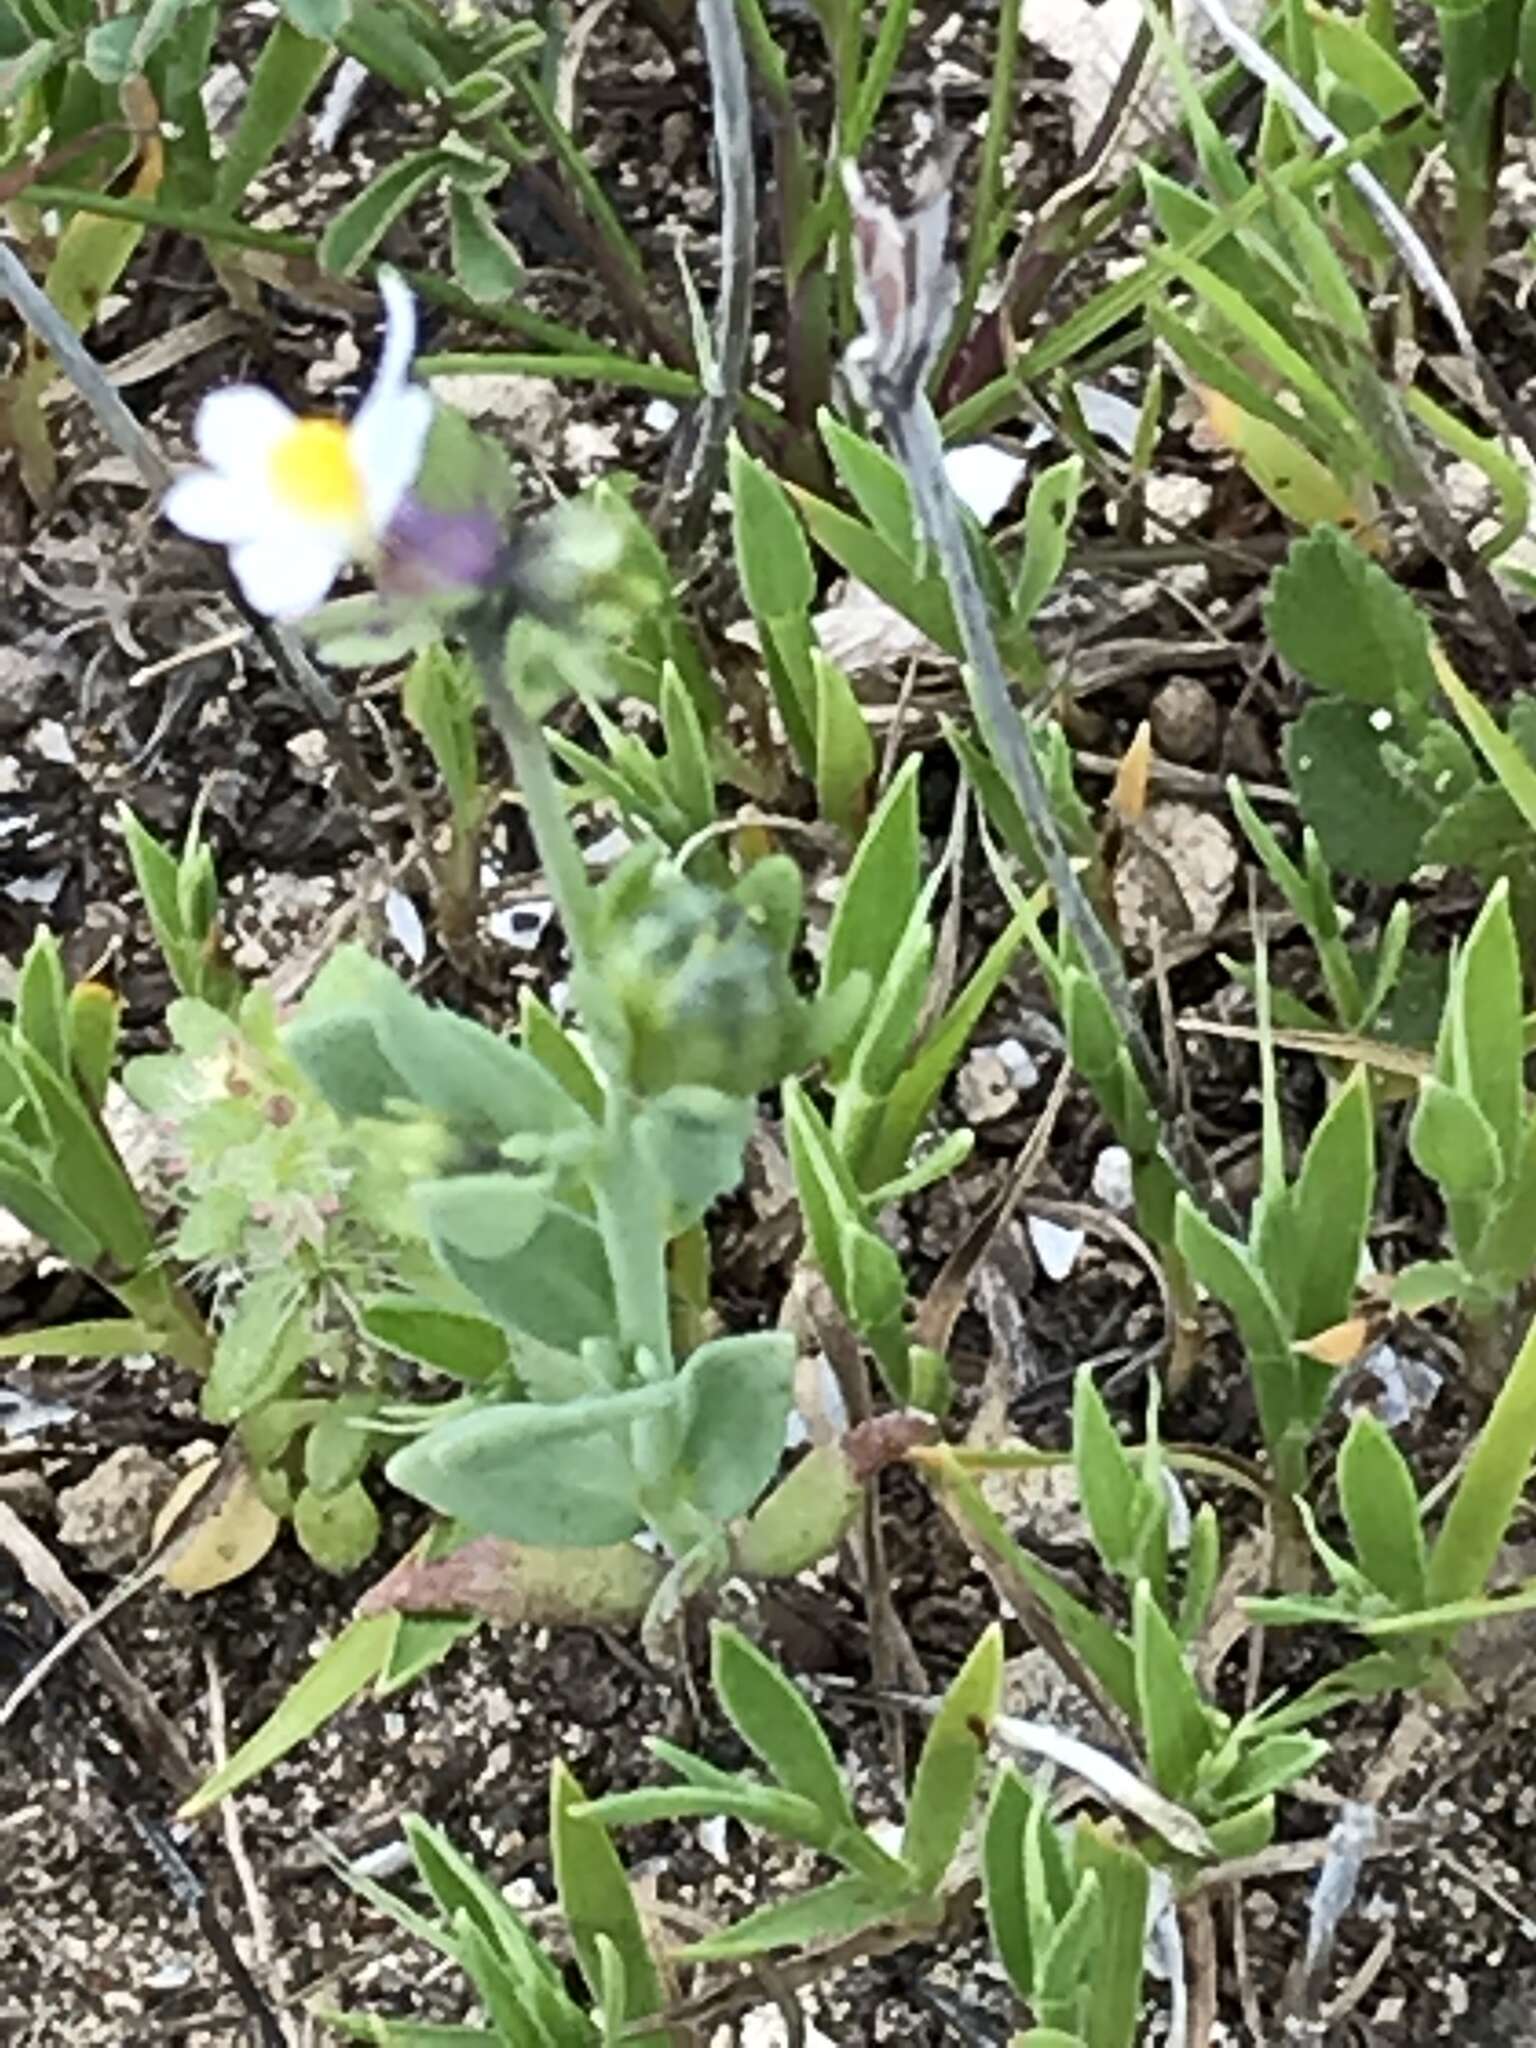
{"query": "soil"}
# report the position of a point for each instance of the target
(128, 674)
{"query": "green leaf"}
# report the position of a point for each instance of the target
(1504, 756)
(873, 481)
(598, 1904)
(1048, 520)
(37, 1209)
(1331, 1211)
(1268, 1766)
(1202, 1563)
(828, 1198)
(1426, 1284)
(1453, 1142)
(83, 1172)
(950, 1766)
(1067, 1959)
(108, 49)
(1113, 1987)
(736, 1393)
(1505, 1253)
(1107, 1480)
(778, 1725)
(1381, 1507)
(879, 893)
(1368, 823)
(688, 770)
(93, 1017)
(292, 63)
(42, 1003)
(477, 1080)
(340, 1055)
(1338, 618)
(557, 1474)
(805, 1517)
(451, 1340)
(338, 1530)
(1102, 1648)
(692, 1140)
(1175, 1723)
(355, 232)
(337, 1676)
(772, 557)
(338, 1446)
(546, 1038)
(832, 1912)
(1010, 1918)
(263, 1344)
(907, 1107)
(484, 261)
(1486, 1025)
(887, 571)
(323, 18)
(534, 1265)
(1226, 1269)
(876, 1279)
(438, 696)
(112, 1337)
(756, 1806)
(845, 749)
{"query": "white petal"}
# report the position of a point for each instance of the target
(238, 427)
(388, 437)
(286, 575)
(212, 507)
(399, 335)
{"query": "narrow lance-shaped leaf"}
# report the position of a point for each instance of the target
(776, 1721)
(950, 1766)
(598, 1905)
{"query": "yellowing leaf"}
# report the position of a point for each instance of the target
(1290, 476)
(1342, 1344)
(224, 1542)
(1129, 795)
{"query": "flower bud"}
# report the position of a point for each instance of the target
(695, 984)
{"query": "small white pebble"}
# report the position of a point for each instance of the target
(1056, 1247)
(405, 926)
(1112, 1182)
(54, 744)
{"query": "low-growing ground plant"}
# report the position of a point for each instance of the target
(431, 1261)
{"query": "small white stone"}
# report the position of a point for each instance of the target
(40, 889)
(521, 925)
(1112, 1182)
(54, 744)
(1056, 1247)
(660, 416)
(984, 477)
(1020, 1063)
(611, 848)
(405, 925)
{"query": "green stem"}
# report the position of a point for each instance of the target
(626, 1192)
(560, 857)
(1490, 1488)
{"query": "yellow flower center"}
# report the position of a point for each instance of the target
(313, 473)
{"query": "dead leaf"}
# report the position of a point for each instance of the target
(1129, 795)
(224, 1543)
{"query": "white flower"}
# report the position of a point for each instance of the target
(295, 499)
